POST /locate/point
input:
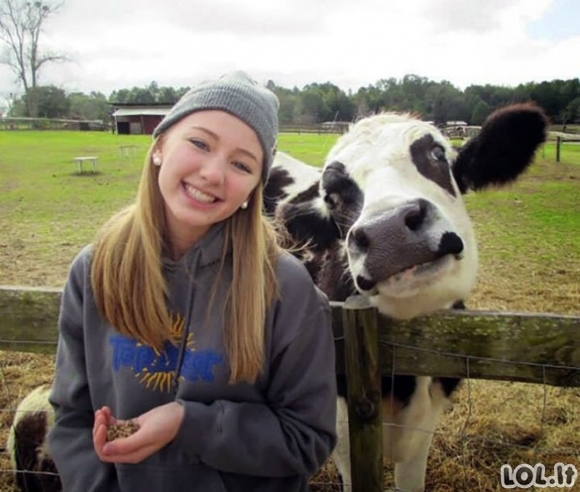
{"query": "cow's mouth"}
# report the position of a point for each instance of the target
(421, 273)
(424, 269)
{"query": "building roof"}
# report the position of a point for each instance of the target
(142, 111)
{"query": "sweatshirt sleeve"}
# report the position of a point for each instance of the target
(293, 433)
(70, 440)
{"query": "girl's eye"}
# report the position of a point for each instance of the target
(242, 167)
(200, 144)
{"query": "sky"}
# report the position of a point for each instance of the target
(115, 44)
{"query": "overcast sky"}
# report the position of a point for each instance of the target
(118, 44)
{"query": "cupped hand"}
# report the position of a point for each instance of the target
(157, 428)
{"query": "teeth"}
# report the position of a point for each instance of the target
(199, 195)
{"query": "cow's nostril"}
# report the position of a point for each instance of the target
(365, 283)
(359, 237)
(450, 244)
(415, 215)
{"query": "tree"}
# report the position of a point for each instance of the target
(21, 24)
(481, 110)
(572, 112)
(445, 103)
(152, 94)
(93, 106)
(52, 102)
(311, 108)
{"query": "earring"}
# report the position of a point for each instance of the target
(157, 160)
(244, 205)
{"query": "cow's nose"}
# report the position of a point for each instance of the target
(410, 217)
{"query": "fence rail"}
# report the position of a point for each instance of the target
(533, 348)
(338, 127)
(525, 347)
(52, 124)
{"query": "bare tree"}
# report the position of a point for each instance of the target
(21, 24)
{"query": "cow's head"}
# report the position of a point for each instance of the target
(393, 186)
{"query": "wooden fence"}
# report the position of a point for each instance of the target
(532, 348)
(338, 127)
(52, 124)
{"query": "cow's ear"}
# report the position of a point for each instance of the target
(342, 196)
(503, 149)
(337, 187)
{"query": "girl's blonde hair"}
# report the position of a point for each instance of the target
(131, 293)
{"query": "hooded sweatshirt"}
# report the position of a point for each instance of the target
(269, 436)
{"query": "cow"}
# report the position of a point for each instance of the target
(27, 444)
(385, 218)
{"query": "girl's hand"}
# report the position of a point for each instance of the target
(157, 428)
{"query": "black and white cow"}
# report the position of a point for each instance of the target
(385, 218)
(27, 445)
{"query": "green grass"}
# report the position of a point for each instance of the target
(307, 147)
(529, 241)
(46, 208)
(48, 211)
(529, 238)
(569, 152)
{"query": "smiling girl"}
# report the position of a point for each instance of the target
(186, 318)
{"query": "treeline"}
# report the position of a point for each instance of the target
(317, 103)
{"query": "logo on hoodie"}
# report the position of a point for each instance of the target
(155, 369)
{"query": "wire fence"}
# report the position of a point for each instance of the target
(497, 417)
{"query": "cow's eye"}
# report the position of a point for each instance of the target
(438, 153)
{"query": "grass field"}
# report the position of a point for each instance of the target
(529, 236)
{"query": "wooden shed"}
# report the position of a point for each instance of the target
(138, 119)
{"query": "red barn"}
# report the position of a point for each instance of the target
(138, 119)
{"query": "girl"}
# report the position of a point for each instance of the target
(185, 317)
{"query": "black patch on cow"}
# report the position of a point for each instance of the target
(430, 160)
(342, 196)
(401, 388)
(503, 149)
(449, 385)
(333, 277)
(274, 192)
(306, 227)
(29, 435)
(307, 195)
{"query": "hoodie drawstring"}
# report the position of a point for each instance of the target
(185, 331)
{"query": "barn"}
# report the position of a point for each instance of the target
(137, 119)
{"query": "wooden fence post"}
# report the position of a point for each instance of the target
(364, 394)
(558, 144)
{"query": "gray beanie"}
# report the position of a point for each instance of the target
(238, 94)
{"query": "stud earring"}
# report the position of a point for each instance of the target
(244, 205)
(157, 160)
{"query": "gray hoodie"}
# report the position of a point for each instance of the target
(269, 436)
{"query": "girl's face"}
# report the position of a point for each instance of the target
(210, 163)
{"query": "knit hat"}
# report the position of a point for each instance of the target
(238, 94)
